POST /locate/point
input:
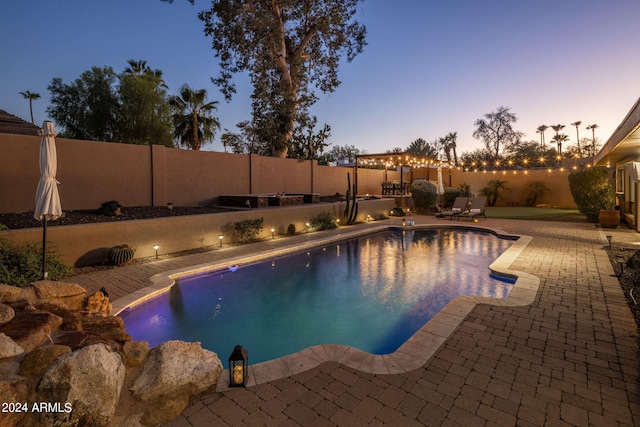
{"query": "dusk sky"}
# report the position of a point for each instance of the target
(430, 67)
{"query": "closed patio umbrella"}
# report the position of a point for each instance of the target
(47, 197)
(440, 188)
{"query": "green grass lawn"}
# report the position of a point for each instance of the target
(528, 213)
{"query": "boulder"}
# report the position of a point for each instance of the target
(135, 352)
(70, 318)
(13, 389)
(164, 409)
(37, 361)
(10, 293)
(111, 328)
(6, 313)
(67, 295)
(175, 368)
(89, 380)
(99, 304)
(30, 328)
(79, 339)
(8, 347)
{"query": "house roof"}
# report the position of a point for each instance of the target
(12, 124)
(624, 144)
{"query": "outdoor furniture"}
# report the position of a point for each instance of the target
(387, 188)
(476, 209)
(459, 205)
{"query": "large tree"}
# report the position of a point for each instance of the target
(496, 130)
(130, 107)
(422, 148)
(87, 108)
(289, 48)
(145, 116)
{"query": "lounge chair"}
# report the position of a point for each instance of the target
(459, 205)
(476, 209)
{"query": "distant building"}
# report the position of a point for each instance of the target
(15, 125)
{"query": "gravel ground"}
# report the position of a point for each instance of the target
(626, 264)
(26, 220)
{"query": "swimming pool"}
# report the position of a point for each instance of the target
(371, 293)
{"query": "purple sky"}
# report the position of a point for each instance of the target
(431, 66)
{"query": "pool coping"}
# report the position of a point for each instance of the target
(414, 353)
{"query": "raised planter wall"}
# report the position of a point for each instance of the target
(87, 244)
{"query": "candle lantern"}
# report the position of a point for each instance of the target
(238, 367)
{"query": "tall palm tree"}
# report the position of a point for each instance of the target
(30, 96)
(557, 128)
(444, 146)
(593, 141)
(193, 118)
(541, 130)
(576, 124)
(451, 138)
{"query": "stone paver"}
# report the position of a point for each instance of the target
(569, 358)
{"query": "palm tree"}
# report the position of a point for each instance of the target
(193, 119)
(30, 96)
(593, 141)
(451, 138)
(576, 124)
(541, 130)
(559, 138)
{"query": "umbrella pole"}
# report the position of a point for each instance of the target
(44, 248)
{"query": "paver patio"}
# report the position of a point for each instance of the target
(568, 359)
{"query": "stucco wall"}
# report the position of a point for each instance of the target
(88, 244)
(93, 172)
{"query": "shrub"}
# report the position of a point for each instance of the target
(533, 190)
(110, 208)
(424, 194)
(291, 230)
(323, 221)
(397, 211)
(22, 264)
(244, 231)
(120, 255)
(450, 195)
(492, 190)
(591, 191)
(465, 190)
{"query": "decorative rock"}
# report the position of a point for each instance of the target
(6, 313)
(13, 294)
(13, 388)
(164, 409)
(37, 362)
(90, 380)
(8, 347)
(67, 295)
(135, 352)
(79, 339)
(30, 328)
(98, 303)
(177, 367)
(70, 319)
(111, 328)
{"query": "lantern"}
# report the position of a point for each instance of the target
(238, 367)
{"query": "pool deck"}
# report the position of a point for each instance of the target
(570, 357)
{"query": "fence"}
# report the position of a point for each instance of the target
(93, 172)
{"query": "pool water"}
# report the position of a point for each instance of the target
(371, 293)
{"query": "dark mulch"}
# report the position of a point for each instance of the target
(626, 264)
(26, 220)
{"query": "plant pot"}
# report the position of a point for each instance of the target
(609, 218)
